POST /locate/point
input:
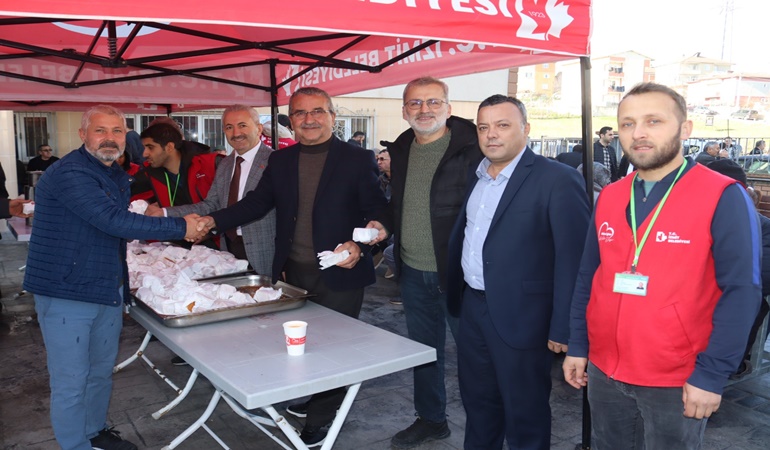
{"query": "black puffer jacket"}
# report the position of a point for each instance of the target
(447, 190)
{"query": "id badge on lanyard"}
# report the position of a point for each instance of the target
(632, 282)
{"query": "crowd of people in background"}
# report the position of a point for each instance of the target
(487, 241)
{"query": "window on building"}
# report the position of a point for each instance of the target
(345, 126)
(32, 130)
(204, 127)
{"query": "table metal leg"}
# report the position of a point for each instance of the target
(342, 414)
(201, 422)
(276, 420)
(139, 352)
(291, 433)
(181, 393)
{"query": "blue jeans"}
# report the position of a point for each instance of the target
(426, 313)
(626, 416)
(81, 342)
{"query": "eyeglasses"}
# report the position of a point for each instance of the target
(318, 112)
(382, 159)
(433, 103)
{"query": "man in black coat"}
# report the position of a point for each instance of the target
(321, 189)
(604, 153)
(429, 167)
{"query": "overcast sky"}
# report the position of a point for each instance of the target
(667, 29)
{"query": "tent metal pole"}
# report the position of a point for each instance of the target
(588, 173)
(273, 104)
(588, 148)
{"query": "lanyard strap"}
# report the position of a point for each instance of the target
(176, 188)
(639, 245)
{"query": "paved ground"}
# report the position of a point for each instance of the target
(382, 408)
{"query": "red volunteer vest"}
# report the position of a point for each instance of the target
(200, 177)
(654, 340)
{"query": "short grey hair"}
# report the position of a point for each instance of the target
(710, 144)
(312, 91)
(109, 110)
(239, 107)
(427, 81)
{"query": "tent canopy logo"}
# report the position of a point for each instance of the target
(539, 18)
(543, 18)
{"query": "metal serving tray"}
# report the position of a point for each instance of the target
(292, 298)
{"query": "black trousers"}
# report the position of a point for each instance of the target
(322, 407)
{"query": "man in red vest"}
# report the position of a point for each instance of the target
(175, 172)
(657, 358)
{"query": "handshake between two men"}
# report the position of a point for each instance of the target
(198, 227)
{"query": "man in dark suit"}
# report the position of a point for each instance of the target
(605, 153)
(513, 258)
(321, 189)
(573, 158)
(256, 240)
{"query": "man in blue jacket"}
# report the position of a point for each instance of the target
(77, 270)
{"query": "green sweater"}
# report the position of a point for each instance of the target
(416, 234)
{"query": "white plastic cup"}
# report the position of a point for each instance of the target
(296, 333)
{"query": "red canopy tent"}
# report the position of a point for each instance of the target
(159, 56)
(150, 55)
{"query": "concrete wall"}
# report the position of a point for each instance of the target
(65, 132)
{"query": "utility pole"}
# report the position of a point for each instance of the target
(728, 11)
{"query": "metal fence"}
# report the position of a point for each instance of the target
(552, 146)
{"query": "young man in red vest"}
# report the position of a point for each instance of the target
(668, 286)
(173, 174)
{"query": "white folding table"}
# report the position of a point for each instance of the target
(19, 228)
(246, 361)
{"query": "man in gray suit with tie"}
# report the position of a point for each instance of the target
(237, 174)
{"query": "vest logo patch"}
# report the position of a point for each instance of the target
(670, 237)
(606, 232)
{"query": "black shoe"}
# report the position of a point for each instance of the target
(419, 432)
(178, 361)
(109, 439)
(298, 410)
(313, 436)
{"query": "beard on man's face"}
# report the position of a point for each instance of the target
(659, 157)
(108, 151)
